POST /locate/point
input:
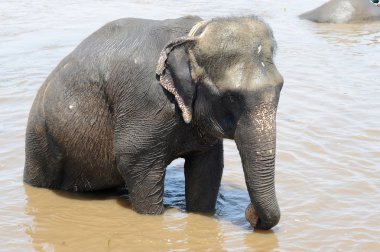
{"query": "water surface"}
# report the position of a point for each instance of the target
(328, 149)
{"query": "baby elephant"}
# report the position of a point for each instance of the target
(137, 94)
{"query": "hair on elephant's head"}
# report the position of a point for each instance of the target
(224, 80)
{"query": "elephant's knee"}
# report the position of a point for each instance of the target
(148, 207)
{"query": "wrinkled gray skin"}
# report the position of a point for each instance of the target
(343, 11)
(102, 119)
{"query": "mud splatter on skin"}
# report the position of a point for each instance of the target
(327, 142)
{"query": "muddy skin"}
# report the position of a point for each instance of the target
(137, 94)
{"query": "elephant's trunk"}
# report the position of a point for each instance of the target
(255, 138)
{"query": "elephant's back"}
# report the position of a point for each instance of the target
(131, 41)
(343, 11)
(118, 46)
(123, 52)
(336, 11)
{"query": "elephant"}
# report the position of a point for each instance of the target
(343, 11)
(137, 94)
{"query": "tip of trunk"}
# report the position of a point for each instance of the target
(263, 222)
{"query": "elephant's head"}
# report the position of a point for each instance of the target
(225, 82)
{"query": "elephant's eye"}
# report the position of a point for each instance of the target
(268, 60)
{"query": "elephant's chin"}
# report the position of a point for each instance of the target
(251, 215)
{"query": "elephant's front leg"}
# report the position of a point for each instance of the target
(145, 182)
(203, 173)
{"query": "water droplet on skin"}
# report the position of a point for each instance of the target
(71, 106)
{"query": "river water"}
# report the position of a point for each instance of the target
(328, 149)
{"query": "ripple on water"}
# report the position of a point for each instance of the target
(327, 139)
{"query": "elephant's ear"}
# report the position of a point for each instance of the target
(174, 73)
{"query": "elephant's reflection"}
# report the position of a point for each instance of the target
(105, 222)
(72, 222)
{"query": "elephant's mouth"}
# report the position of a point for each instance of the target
(257, 221)
(252, 216)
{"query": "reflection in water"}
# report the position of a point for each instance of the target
(327, 167)
(100, 222)
(350, 34)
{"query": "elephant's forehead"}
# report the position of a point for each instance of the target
(240, 36)
(238, 54)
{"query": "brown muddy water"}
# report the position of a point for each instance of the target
(328, 150)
